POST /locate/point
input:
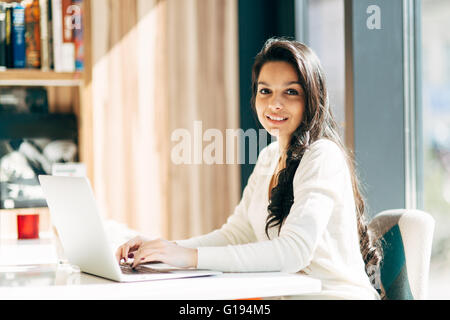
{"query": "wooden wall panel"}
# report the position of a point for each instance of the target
(158, 66)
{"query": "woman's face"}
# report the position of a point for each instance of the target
(280, 101)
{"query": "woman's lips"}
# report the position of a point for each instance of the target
(276, 119)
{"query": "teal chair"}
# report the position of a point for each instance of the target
(406, 237)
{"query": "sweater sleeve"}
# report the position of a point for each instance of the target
(318, 183)
(237, 229)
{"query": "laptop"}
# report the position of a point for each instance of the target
(75, 215)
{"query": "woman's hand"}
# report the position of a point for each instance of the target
(127, 250)
(143, 251)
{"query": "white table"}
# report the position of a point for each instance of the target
(48, 280)
(226, 286)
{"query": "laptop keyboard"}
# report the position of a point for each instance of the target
(127, 269)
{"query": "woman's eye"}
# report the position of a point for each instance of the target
(292, 92)
(264, 91)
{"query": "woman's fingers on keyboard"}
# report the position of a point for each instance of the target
(144, 257)
(165, 252)
(127, 249)
(149, 251)
(124, 252)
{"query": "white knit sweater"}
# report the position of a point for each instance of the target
(318, 238)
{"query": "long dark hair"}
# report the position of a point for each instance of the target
(318, 122)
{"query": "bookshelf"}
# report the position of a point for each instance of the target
(30, 77)
(68, 92)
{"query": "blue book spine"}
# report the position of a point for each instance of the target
(78, 34)
(18, 36)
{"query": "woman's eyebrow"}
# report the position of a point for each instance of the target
(286, 84)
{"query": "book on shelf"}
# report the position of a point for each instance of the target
(8, 36)
(45, 26)
(32, 34)
(57, 33)
(45, 34)
(18, 35)
(2, 36)
(63, 44)
(78, 9)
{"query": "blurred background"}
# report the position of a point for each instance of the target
(436, 136)
(152, 67)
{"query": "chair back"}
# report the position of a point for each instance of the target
(406, 237)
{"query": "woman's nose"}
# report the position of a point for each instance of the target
(276, 102)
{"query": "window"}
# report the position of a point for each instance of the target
(436, 136)
(323, 16)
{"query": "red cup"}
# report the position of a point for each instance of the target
(28, 226)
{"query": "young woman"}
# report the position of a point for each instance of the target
(307, 214)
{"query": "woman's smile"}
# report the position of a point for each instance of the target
(276, 119)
